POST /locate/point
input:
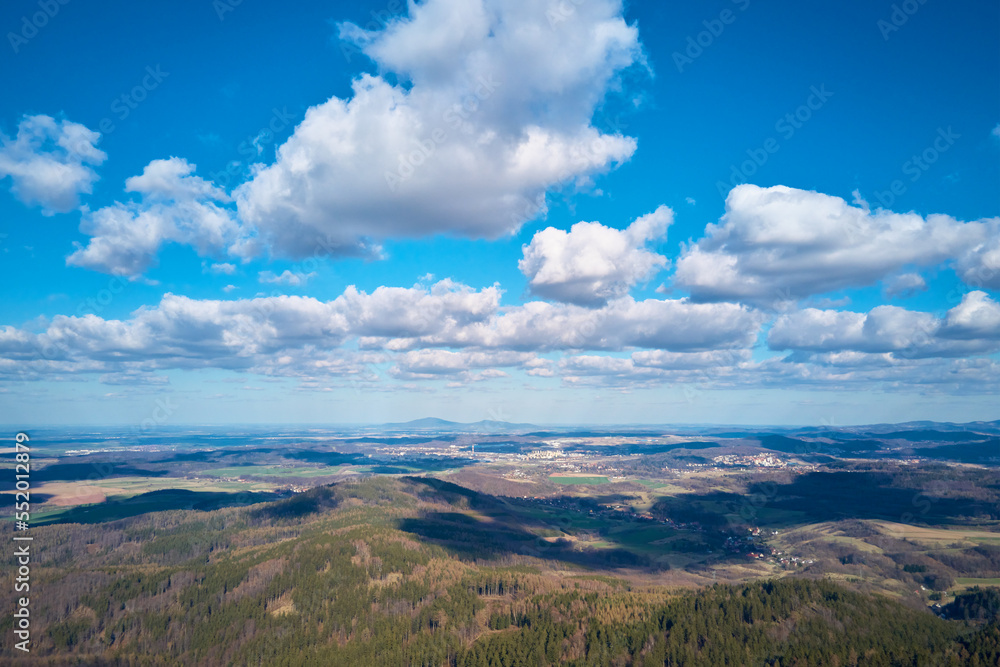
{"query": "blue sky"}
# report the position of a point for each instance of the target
(362, 212)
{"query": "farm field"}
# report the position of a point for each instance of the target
(276, 471)
(937, 536)
(95, 491)
(55, 501)
(968, 582)
(579, 479)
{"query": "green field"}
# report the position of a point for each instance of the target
(124, 486)
(589, 479)
(972, 581)
(43, 514)
(564, 519)
(120, 507)
(644, 538)
(274, 471)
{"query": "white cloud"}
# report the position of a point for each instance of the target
(396, 312)
(413, 327)
(817, 330)
(977, 316)
(683, 361)
(433, 364)
(658, 364)
(285, 278)
(646, 369)
(451, 333)
(134, 378)
(996, 131)
(50, 162)
(906, 284)
(967, 329)
(597, 365)
(887, 372)
(492, 109)
(979, 266)
(176, 206)
(223, 268)
(779, 244)
(591, 263)
(624, 323)
(187, 333)
(654, 368)
(734, 369)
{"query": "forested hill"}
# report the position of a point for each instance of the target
(344, 575)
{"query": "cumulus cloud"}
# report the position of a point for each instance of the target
(685, 361)
(817, 330)
(285, 278)
(175, 206)
(625, 323)
(906, 284)
(646, 369)
(780, 244)
(402, 323)
(455, 334)
(50, 162)
(979, 266)
(181, 332)
(967, 329)
(222, 268)
(397, 312)
(591, 263)
(734, 369)
(435, 364)
(887, 372)
(489, 106)
(605, 367)
(977, 316)
(447, 329)
(134, 378)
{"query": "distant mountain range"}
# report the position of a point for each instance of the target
(435, 424)
(883, 430)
